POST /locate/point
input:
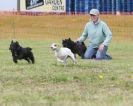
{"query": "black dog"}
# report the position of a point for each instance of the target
(76, 47)
(18, 52)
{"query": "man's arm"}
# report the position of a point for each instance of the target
(84, 35)
(108, 35)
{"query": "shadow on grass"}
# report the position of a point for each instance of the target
(69, 65)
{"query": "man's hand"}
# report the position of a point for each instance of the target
(101, 47)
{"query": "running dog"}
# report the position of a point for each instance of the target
(62, 53)
(19, 53)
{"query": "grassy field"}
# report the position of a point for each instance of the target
(48, 83)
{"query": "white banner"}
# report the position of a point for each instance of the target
(43, 5)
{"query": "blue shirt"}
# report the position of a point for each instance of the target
(98, 33)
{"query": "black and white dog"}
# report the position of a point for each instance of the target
(18, 52)
(76, 47)
(62, 53)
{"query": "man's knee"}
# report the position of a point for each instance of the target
(90, 53)
(99, 56)
(88, 56)
(106, 57)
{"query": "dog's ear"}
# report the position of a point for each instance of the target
(12, 41)
(57, 45)
(17, 42)
(69, 39)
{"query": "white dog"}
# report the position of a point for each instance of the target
(62, 53)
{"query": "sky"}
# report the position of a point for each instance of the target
(8, 5)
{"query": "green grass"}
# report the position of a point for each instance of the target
(49, 83)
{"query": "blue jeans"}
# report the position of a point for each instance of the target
(94, 53)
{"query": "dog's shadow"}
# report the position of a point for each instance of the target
(68, 65)
(23, 64)
(62, 65)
